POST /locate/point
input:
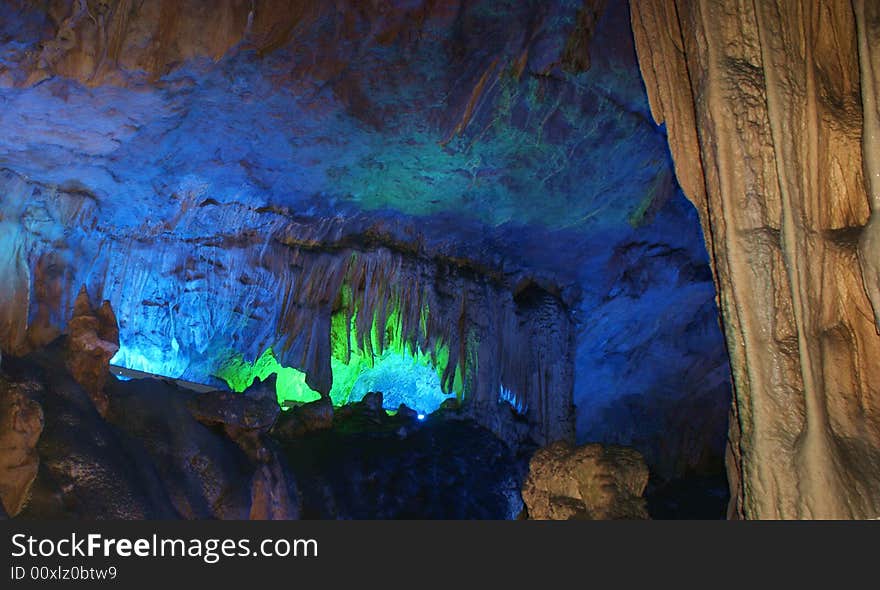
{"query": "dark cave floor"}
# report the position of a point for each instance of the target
(160, 451)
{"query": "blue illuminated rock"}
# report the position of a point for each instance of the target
(220, 183)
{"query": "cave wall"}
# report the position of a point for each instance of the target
(184, 312)
(772, 119)
(161, 153)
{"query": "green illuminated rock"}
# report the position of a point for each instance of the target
(381, 360)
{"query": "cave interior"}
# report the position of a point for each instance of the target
(282, 259)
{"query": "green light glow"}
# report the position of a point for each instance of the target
(383, 361)
(359, 361)
(290, 385)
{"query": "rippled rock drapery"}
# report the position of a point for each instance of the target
(772, 116)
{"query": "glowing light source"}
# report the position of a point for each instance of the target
(382, 359)
(402, 378)
(150, 358)
(290, 385)
(507, 396)
(379, 361)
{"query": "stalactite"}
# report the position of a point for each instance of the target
(186, 306)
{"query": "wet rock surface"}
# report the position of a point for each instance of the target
(588, 482)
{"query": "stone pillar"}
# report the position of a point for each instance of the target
(763, 103)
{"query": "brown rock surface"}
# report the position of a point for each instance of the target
(311, 417)
(93, 339)
(245, 420)
(21, 423)
(120, 42)
(589, 482)
(270, 494)
(764, 103)
(235, 412)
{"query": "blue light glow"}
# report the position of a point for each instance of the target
(402, 380)
(507, 396)
(151, 359)
(401, 377)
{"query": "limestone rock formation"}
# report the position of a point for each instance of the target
(246, 420)
(771, 112)
(236, 413)
(92, 340)
(271, 497)
(372, 402)
(396, 468)
(408, 413)
(589, 482)
(21, 423)
(477, 178)
(149, 458)
(368, 411)
(263, 388)
(311, 417)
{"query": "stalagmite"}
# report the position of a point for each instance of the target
(464, 208)
(21, 423)
(590, 482)
(93, 339)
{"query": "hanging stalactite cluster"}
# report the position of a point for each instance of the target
(316, 294)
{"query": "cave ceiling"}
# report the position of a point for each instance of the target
(470, 126)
